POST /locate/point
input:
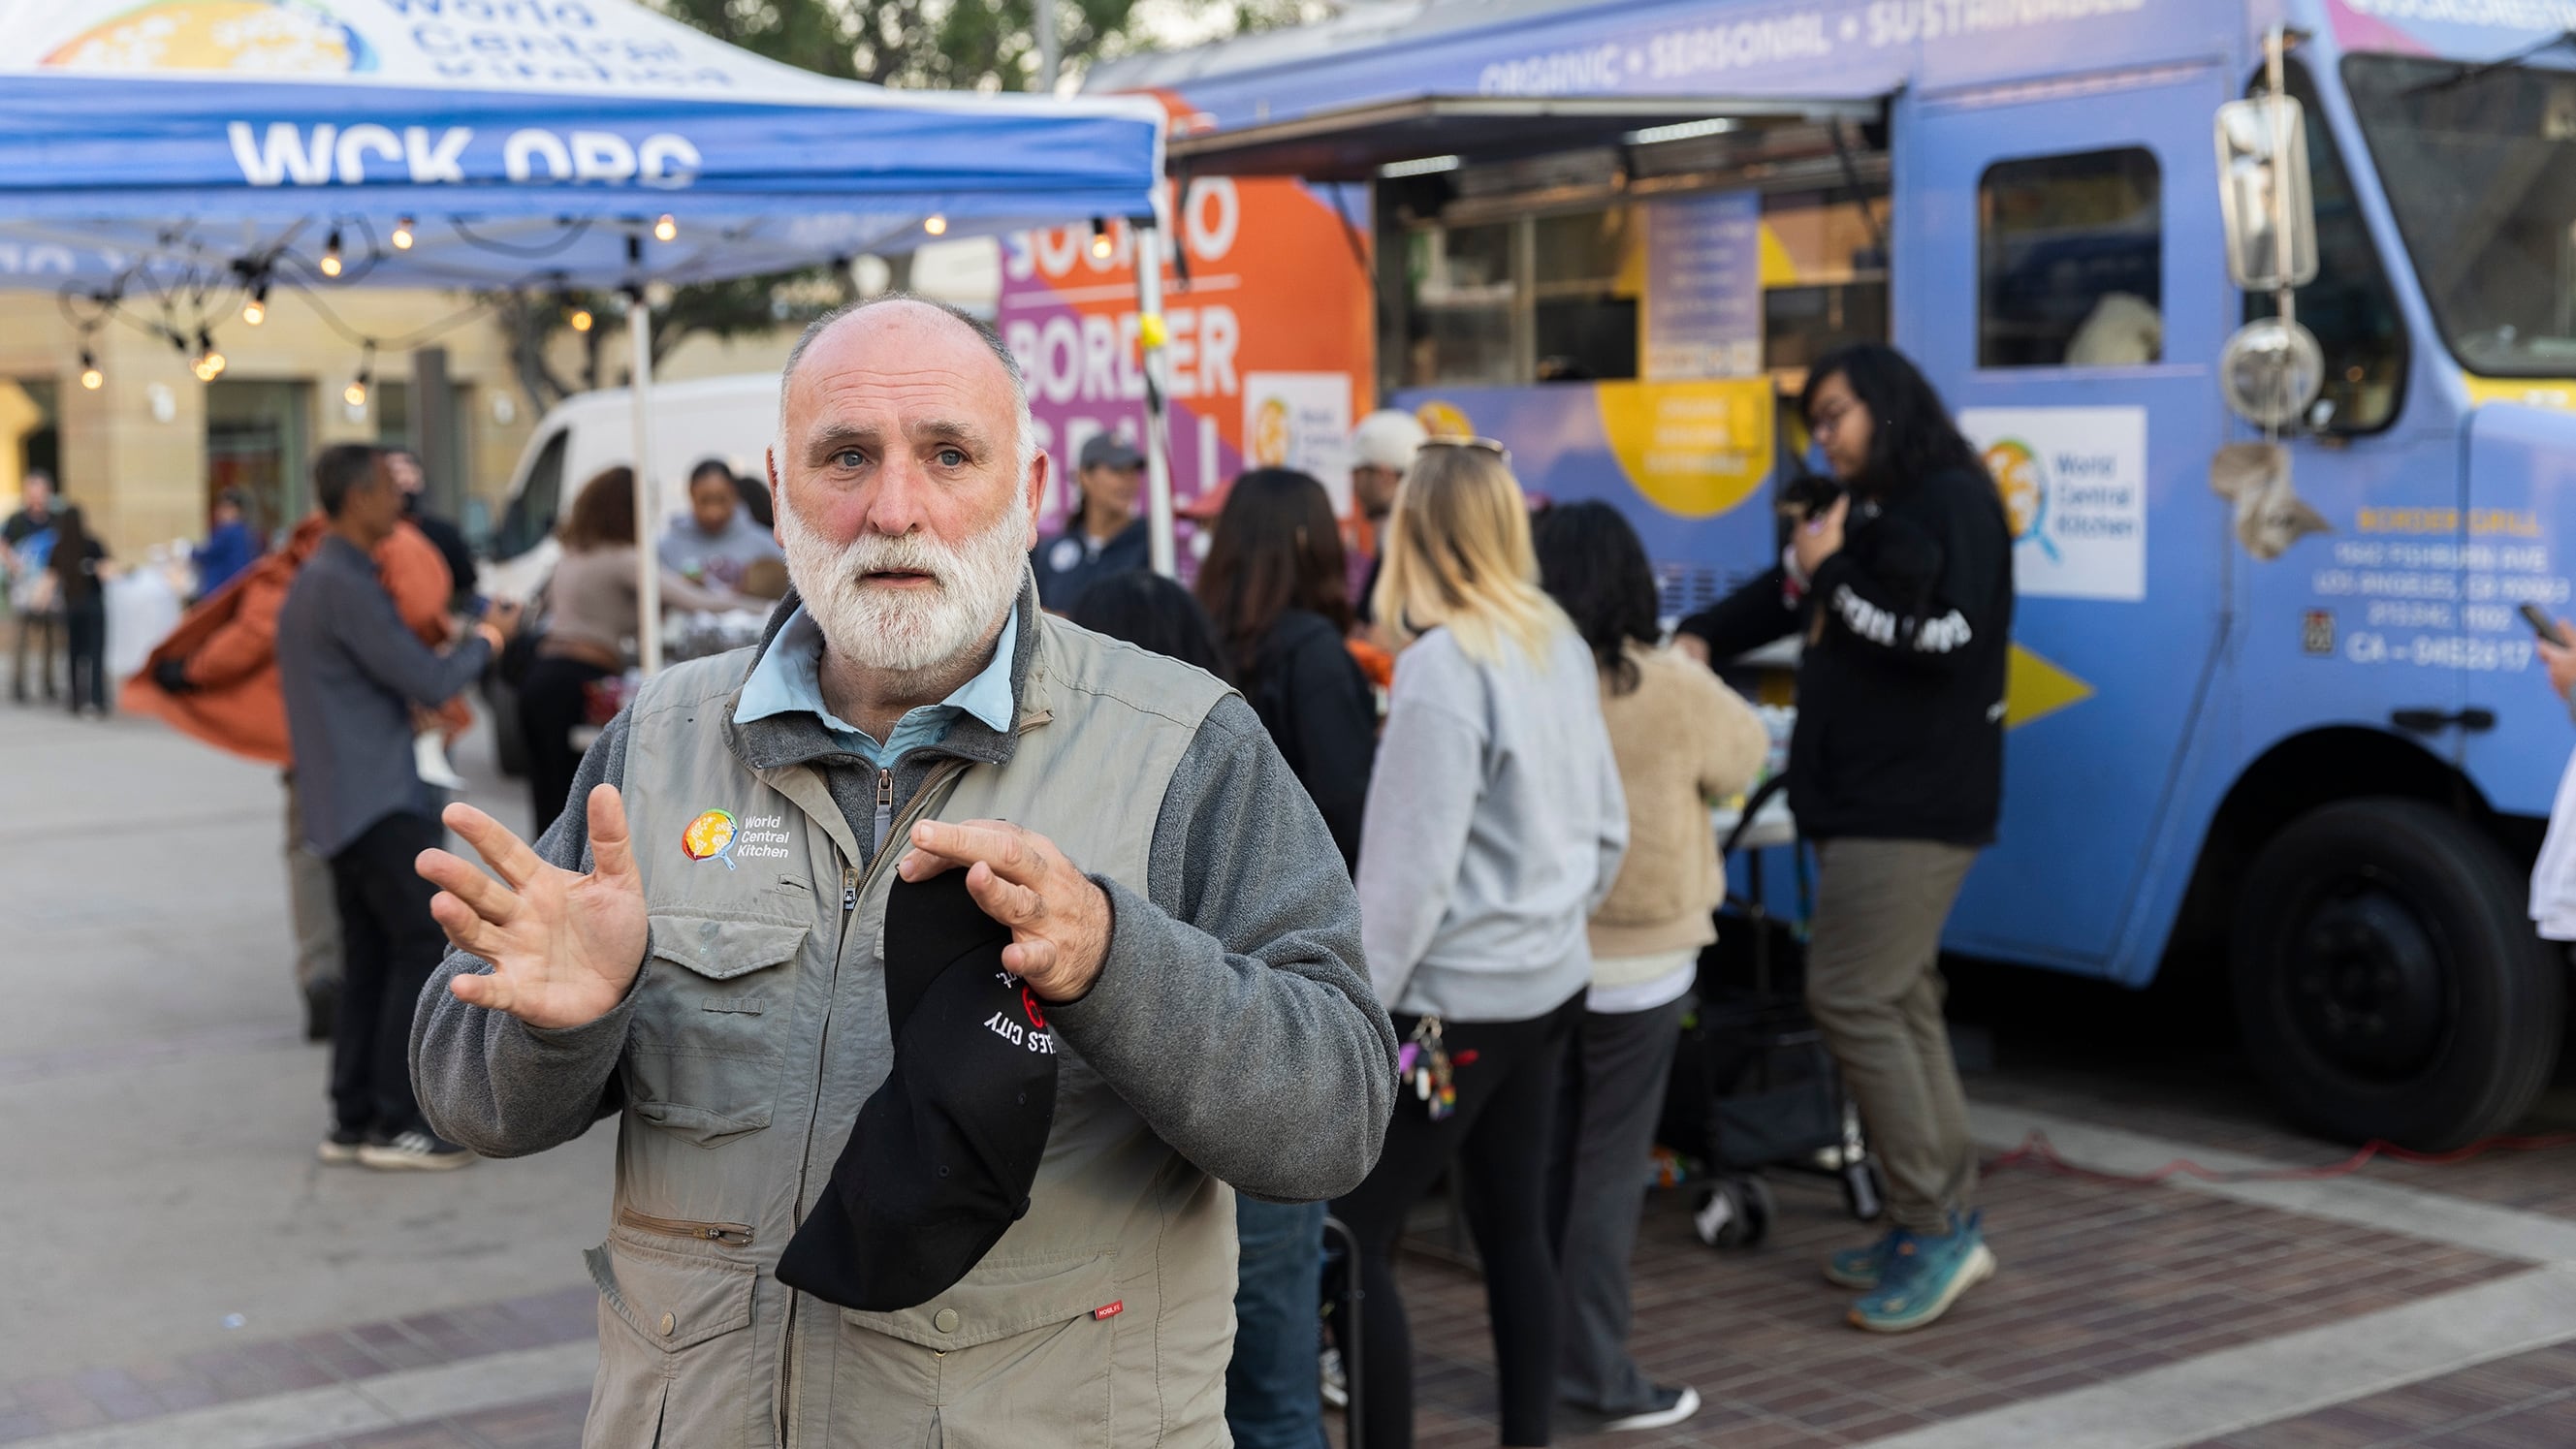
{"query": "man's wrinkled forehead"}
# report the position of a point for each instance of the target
(894, 360)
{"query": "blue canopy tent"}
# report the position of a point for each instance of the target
(213, 149)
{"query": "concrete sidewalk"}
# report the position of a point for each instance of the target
(159, 1111)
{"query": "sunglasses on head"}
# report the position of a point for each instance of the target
(1482, 445)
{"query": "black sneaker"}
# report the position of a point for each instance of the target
(1670, 1406)
(321, 1008)
(342, 1147)
(414, 1151)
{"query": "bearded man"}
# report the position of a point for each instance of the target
(704, 949)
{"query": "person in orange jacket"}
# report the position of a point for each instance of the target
(215, 679)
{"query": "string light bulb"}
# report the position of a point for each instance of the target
(935, 224)
(581, 319)
(91, 377)
(355, 394)
(255, 310)
(1101, 246)
(667, 228)
(331, 254)
(402, 234)
(210, 363)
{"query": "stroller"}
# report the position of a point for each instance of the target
(1753, 1087)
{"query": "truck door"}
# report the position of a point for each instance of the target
(2058, 277)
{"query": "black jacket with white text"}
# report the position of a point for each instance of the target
(1901, 686)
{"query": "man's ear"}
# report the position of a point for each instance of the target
(777, 496)
(1036, 492)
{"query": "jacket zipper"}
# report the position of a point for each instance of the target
(853, 883)
(733, 1234)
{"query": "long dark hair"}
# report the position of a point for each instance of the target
(1911, 435)
(1594, 565)
(1277, 548)
(1152, 612)
(603, 512)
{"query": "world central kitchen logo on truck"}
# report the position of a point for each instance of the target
(2272, 715)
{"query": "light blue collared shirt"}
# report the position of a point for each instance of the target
(787, 680)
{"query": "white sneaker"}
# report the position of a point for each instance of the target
(1671, 1407)
(1336, 1386)
(429, 761)
(414, 1151)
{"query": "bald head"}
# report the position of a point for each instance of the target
(902, 309)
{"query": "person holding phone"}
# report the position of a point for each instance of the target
(1902, 587)
(2556, 641)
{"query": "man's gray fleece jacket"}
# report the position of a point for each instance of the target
(1231, 1038)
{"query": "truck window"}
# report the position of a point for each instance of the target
(1460, 305)
(2350, 306)
(1587, 271)
(532, 512)
(2070, 261)
(2479, 163)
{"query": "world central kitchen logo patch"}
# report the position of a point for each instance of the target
(2023, 480)
(718, 835)
(2074, 489)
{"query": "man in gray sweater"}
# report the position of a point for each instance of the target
(701, 948)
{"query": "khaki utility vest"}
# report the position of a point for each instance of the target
(1104, 1316)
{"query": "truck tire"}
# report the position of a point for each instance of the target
(2388, 980)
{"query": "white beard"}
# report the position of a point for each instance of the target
(905, 631)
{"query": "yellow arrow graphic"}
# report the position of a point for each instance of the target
(2035, 688)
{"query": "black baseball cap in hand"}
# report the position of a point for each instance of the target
(940, 1162)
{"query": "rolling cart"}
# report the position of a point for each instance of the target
(1753, 1088)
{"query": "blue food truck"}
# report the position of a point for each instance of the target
(2274, 701)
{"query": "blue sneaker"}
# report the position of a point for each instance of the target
(1924, 1276)
(1861, 1268)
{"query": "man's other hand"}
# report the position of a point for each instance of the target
(1059, 920)
(564, 948)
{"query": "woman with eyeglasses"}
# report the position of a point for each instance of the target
(1494, 826)
(1902, 587)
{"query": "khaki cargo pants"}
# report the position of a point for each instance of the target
(1874, 988)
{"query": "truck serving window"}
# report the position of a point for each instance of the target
(2070, 261)
(2480, 167)
(2350, 306)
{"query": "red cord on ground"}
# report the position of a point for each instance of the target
(2036, 1151)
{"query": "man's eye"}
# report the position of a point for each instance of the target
(951, 458)
(850, 458)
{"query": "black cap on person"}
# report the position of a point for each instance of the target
(940, 1162)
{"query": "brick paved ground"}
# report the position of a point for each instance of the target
(2098, 1281)
(548, 1423)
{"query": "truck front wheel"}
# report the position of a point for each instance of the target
(2388, 980)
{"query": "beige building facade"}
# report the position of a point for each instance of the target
(145, 452)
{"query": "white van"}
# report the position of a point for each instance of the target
(715, 417)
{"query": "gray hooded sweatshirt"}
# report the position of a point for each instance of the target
(1495, 827)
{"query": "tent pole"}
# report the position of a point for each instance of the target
(1158, 464)
(648, 499)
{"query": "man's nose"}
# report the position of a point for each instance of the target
(898, 503)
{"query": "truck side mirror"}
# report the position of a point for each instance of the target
(2263, 193)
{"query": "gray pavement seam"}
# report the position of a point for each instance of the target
(2279, 1378)
(280, 1421)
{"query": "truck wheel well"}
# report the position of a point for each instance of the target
(2290, 779)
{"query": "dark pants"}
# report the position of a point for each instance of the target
(391, 944)
(1273, 1399)
(1499, 1136)
(550, 703)
(1614, 1093)
(85, 653)
(38, 635)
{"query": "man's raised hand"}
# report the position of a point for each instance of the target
(564, 948)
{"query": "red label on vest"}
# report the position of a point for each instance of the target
(1112, 1311)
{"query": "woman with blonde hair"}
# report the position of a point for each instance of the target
(1494, 826)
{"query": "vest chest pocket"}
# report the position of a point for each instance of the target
(704, 1055)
